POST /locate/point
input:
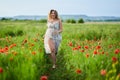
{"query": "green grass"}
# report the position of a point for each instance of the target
(27, 61)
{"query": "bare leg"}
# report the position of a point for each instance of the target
(52, 48)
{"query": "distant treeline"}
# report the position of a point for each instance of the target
(45, 20)
(81, 20)
(109, 20)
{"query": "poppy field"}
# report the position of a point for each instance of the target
(89, 51)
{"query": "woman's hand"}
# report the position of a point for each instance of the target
(55, 32)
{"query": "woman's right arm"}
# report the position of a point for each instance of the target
(61, 27)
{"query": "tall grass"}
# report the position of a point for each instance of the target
(76, 59)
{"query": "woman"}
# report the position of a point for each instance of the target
(52, 36)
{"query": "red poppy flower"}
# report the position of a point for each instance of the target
(44, 78)
(1, 50)
(33, 52)
(117, 51)
(78, 71)
(98, 47)
(79, 47)
(95, 52)
(103, 52)
(1, 70)
(13, 45)
(75, 48)
(87, 55)
(114, 59)
(103, 72)
(86, 47)
(6, 48)
(70, 44)
(25, 41)
(32, 44)
(82, 50)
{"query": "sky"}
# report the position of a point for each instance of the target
(9, 8)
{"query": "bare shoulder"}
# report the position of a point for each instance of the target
(60, 20)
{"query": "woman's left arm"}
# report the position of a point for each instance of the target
(61, 28)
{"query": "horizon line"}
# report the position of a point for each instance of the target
(65, 15)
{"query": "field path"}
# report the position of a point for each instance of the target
(59, 72)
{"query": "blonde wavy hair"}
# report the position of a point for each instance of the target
(56, 14)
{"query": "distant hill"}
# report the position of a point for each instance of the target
(64, 17)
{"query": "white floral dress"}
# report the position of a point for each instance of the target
(52, 26)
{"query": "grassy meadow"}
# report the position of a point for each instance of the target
(89, 51)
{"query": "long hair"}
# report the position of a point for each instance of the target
(56, 14)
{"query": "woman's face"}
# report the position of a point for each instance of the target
(53, 14)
